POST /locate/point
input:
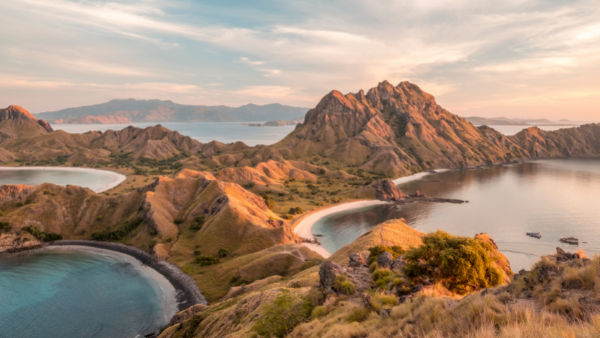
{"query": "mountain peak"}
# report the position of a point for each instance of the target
(15, 112)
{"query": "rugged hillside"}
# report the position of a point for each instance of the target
(131, 110)
(395, 130)
(18, 122)
(399, 130)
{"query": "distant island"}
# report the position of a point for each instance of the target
(132, 110)
(505, 121)
(278, 123)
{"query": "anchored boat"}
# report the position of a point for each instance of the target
(534, 234)
(570, 240)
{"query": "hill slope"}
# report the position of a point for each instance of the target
(131, 110)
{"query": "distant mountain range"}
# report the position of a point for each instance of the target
(504, 121)
(132, 110)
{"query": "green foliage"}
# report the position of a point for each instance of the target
(20, 204)
(295, 211)
(249, 185)
(5, 226)
(178, 221)
(237, 281)
(463, 264)
(269, 201)
(318, 312)
(377, 250)
(42, 236)
(223, 253)
(281, 316)
(124, 230)
(206, 260)
(198, 223)
(358, 314)
(382, 277)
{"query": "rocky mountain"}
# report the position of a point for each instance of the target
(18, 122)
(401, 129)
(131, 110)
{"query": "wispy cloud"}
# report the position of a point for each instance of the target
(475, 55)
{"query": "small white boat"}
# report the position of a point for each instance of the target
(534, 234)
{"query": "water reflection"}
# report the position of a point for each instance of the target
(554, 197)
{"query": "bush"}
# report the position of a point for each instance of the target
(206, 260)
(42, 236)
(5, 226)
(281, 316)
(237, 281)
(124, 230)
(20, 204)
(223, 253)
(376, 251)
(358, 314)
(295, 211)
(318, 312)
(249, 185)
(462, 264)
(199, 222)
(178, 221)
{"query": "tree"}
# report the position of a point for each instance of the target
(462, 264)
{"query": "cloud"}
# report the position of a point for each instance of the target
(470, 53)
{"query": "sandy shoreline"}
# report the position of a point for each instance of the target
(167, 290)
(116, 178)
(304, 228)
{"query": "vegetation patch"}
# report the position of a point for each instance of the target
(42, 236)
(119, 234)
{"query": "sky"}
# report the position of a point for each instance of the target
(514, 58)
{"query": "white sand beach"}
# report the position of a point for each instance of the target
(116, 178)
(304, 228)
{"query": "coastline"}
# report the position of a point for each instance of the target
(167, 290)
(116, 177)
(186, 292)
(304, 227)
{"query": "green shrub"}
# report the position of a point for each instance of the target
(281, 316)
(249, 185)
(124, 230)
(358, 314)
(295, 211)
(42, 236)
(376, 251)
(223, 253)
(318, 312)
(5, 226)
(348, 288)
(178, 221)
(99, 218)
(206, 260)
(462, 264)
(237, 281)
(20, 204)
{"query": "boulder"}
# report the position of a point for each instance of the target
(186, 314)
(327, 273)
(386, 190)
(385, 260)
(398, 264)
(560, 251)
(357, 260)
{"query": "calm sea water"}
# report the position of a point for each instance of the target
(75, 294)
(226, 132)
(555, 197)
(90, 180)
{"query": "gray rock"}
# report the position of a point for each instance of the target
(327, 274)
(398, 264)
(385, 313)
(357, 260)
(385, 260)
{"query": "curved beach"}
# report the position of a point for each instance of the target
(116, 178)
(304, 227)
(186, 292)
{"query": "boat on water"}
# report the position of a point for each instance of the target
(534, 234)
(317, 235)
(570, 240)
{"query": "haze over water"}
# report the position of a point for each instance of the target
(555, 197)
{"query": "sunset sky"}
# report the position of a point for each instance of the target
(513, 58)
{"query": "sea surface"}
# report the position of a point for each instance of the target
(54, 293)
(92, 180)
(226, 132)
(557, 197)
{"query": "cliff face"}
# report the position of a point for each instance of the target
(581, 141)
(15, 112)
